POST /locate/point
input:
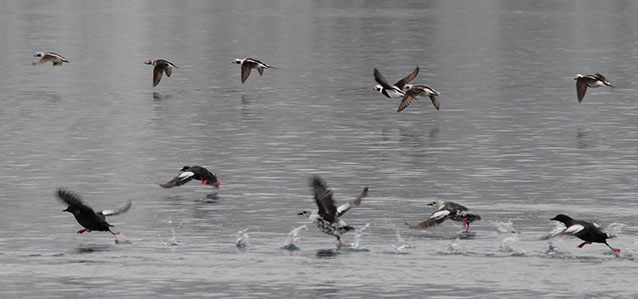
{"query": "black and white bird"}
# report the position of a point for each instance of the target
(447, 210)
(248, 64)
(593, 81)
(586, 231)
(327, 217)
(85, 216)
(416, 90)
(188, 173)
(160, 66)
(398, 89)
(55, 58)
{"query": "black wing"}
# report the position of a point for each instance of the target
(323, 198)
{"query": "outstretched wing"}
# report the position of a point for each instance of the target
(342, 209)
(381, 80)
(324, 200)
(581, 86)
(181, 179)
(436, 218)
(435, 101)
(407, 79)
(70, 198)
(157, 73)
(117, 211)
(246, 66)
(409, 97)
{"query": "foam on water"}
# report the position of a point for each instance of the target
(293, 237)
(242, 239)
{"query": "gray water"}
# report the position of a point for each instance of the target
(511, 142)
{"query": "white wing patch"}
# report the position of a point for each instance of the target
(440, 214)
(574, 229)
(185, 175)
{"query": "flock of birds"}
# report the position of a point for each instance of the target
(327, 215)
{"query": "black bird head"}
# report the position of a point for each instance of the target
(72, 209)
(185, 168)
(563, 218)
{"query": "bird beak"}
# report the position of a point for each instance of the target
(300, 213)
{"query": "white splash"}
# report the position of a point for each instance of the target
(242, 238)
(506, 244)
(293, 237)
(614, 229)
(172, 241)
(402, 243)
(357, 236)
(454, 245)
(505, 227)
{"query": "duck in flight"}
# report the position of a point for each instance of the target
(54, 58)
(447, 210)
(188, 173)
(247, 64)
(398, 89)
(160, 66)
(85, 216)
(593, 81)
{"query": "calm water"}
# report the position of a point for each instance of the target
(511, 142)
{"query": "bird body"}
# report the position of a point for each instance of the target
(416, 90)
(85, 216)
(188, 173)
(586, 231)
(54, 58)
(247, 64)
(398, 89)
(447, 210)
(328, 217)
(161, 66)
(593, 81)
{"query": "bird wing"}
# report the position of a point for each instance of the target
(342, 209)
(381, 80)
(52, 55)
(407, 79)
(246, 66)
(581, 86)
(181, 179)
(117, 211)
(324, 200)
(435, 101)
(260, 70)
(574, 229)
(436, 218)
(408, 97)
(157, 72)
(70, 198)
(168, 70)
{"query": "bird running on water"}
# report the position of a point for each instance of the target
(85, 216)
(187, 173)
(328, 217)
(586, 231)
(447, 210)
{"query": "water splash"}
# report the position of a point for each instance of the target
(614, 229)
(506, 244)
(293, 237)
(357, 237)
(242, 239)
(453, 247)
(172, 241)
(505, 227)
(402, 243)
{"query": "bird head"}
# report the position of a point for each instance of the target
(377, 88)
(38, 54)
(71, 209)
(237, 61)
(562, 218)
(148, 62)
(185, 168)
(578, 76)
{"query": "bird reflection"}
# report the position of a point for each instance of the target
(158, 96)
(250, 108)
(581, 139)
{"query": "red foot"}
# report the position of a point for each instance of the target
(204, 182)
(339, 239)
(114, 233)
(583, 244)
(467, 226)
(84, 230)
(218, 182)
(616, 250)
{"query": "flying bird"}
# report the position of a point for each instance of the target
(85, 216)
(586, 231)
(327, 217)
(248, 64)
(160, 66)
(187, 173)
(594, 81)
(398, 89)
(55, 58)
(417, 90)
(447, 210)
